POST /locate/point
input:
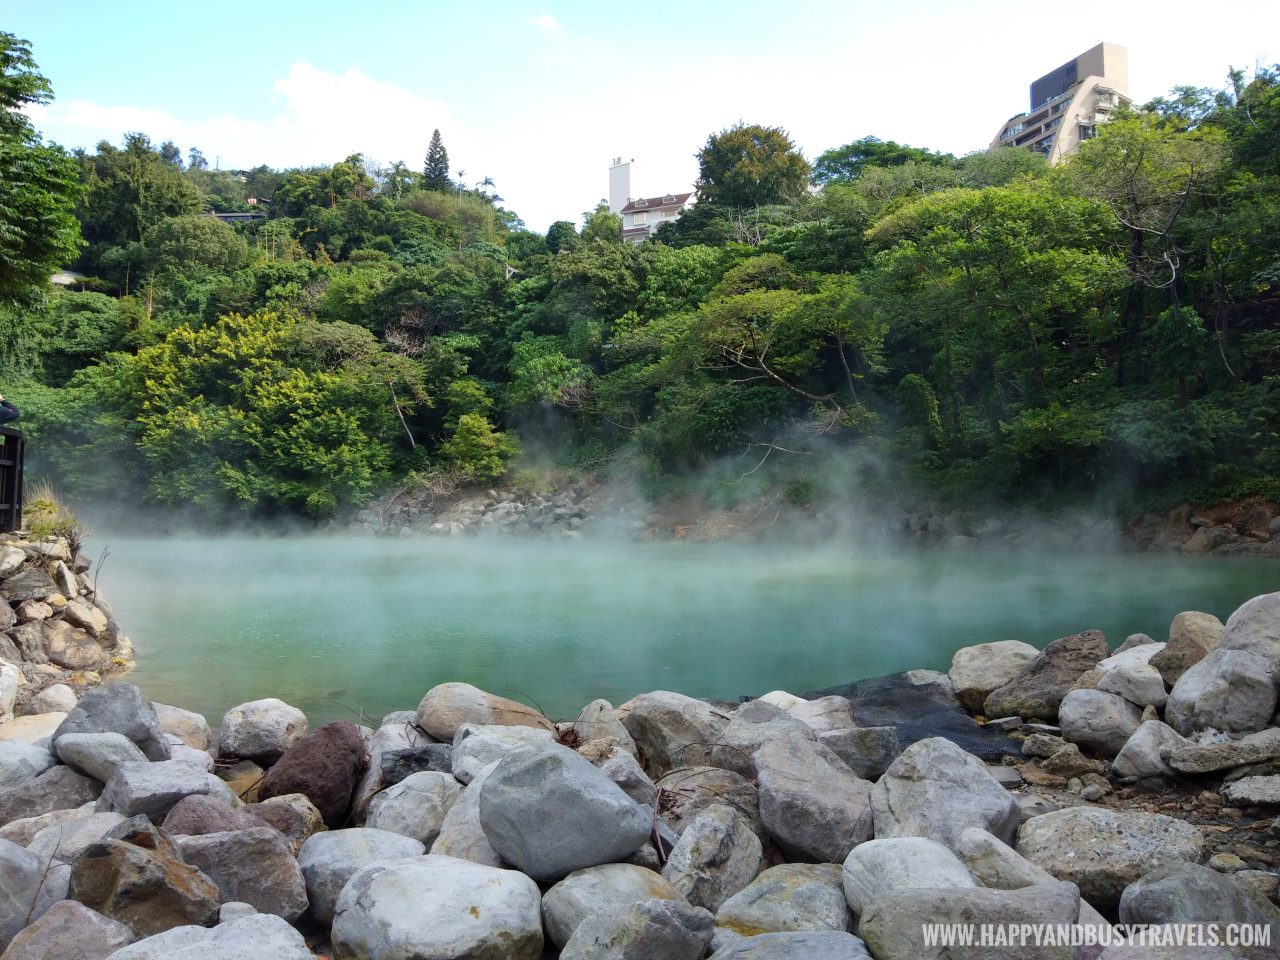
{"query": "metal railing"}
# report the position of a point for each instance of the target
(11, 451)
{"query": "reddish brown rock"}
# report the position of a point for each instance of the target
(325, 767)
(197, 815)
(1039, 689)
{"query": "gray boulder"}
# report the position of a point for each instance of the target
(753, 725)
(1260, 747)
(604, 889)
(1037, 691)
(22, 761)
(786, 898)
(58, 788)
(867, 751)
(816, 945)
(117, 708)
(476, 746)
(978, 670)
(1255, 628)
(259, 935)
(388, 738)
(878, 867)
(673, 730)
(416, 806)
(547, 811)
(329, 859)
(717, 855)
(1189, 893)
(69, 931)
(254, 866)
(97, 755)
(646, 930)
(261, 730)
(1103, 851)
(11, 679)
(461, 835)
(1139, 683)
(66, 840)
(1097, 721)
(1147, 752)
(58, 698)
(436, 906)
(25, 890)
(599, 720)
(152, 789)
(1229, 690)
(687, 792)
(189, 727)
(936, 790)
(824, 714)
(448, 706)
(1254, 791)
(622, 768)
(1192, 635)
(813, 806)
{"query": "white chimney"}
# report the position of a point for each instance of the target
(619, 184)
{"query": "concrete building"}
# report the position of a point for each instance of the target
(1068, 103)
(641, 216)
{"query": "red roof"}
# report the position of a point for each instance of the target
(657, 203)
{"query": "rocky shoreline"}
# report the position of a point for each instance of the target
(1073, 785)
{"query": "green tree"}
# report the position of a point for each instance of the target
(435, 171)
(845, 164)
(38, 188)
(749, 165)
(195, 246)
(561, 235)
(602, 224)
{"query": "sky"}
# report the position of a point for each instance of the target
(540, 95)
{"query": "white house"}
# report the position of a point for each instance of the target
(641, 216)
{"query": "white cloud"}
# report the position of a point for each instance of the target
(546, 22)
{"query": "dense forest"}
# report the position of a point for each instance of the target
(967, 327)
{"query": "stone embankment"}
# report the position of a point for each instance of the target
(1073, 785)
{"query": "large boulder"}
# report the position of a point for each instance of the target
(1229, 690)
(69, 931)
(600, 720)
(448, 706)
(824, 714)
(58, 788)
(978, 670)
(717, 855)
(388, 738)
(805, 945)
(70, 648)
(259, 935)
(425, 758)
(293, 815)
(1255, 628)
(1192, 635)
(787, 898)
(893, 927)
(11, 679)
(198, 814)
(1039, 689)
(646, 930)
(254, 866)
(673, 730)
(437, 907)
(813, 806)
(687, 792)
(97, 755)
(152, 789)
(26, 890)
(1103, 851)
(475, 746)
(329, 859)
(324, 766)
(1139, 683)
(416, 806)
(189, 727)
(1254, 791)
(620, 766)
(867, 751)
(878, 867)
(1190, 757)
(603, 889)
(58, 698)
(67, 839)
(118, 708)
(461, 834)
(936, 790)
(147, 890)
(22, 761)
(1147, 752)
(261, 730)
(548, 811)
(1098, 721)
(753, 725)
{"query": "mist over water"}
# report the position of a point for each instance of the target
(338, 625)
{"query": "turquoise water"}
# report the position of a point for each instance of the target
(339, 626)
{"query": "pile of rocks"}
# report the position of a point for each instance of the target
(57, 634)
(1249, 528)
(667, 828)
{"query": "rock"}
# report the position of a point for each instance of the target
(475, 747)
(547, 811)
(813, 806)
(819, 945)
(789, 897)
(58, 788)
(11, 679)
(234, 910)
(685, 793)
(1042, 745)
(1255, 628)
(1097, 721)
(823, 714)
(200, 759)
(935, 790)
(1192, 635)
(293, 815)
(752, 725)
(67, 839)
(461, 835)
(1187, 893)
(69, 931)
(416, 806)
(893, 926)
(11, 560)
(1229, 690)
(71, 648)
(1134, 640)
(622, 768)
(646, 930)
(673, 730)
(261, 730)
(878, 867)
(146, 890)
(197, 815)
(258, 935)
(255, 866)
(867, 751)
(1103, 851)
(1146, 753)
(118, 708)
(1070, 762)
(324, 766)
(599, 720)
(602, 889)
(23, 831)
(26, 892)
(242, 778)
(389, 737)
(436, 906)
(978, 670)
(1260, 747)
(717, 855)
(58, 698)
(152, 789)
(448, 706)
(81, 613)
(328, 860)
(1039, 689)
(30, 583)
(424, 758)
(97, 755)
(1139, 683)
(189, 727)
(1254, 791)
(1134, 656)
(21, 761)
(1226, 863)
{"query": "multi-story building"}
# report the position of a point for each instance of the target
(641, 216)
(1068, 103)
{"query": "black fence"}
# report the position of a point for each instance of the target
(11, 450)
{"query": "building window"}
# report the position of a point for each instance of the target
(639, 219)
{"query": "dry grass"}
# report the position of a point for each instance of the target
(45, 515)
